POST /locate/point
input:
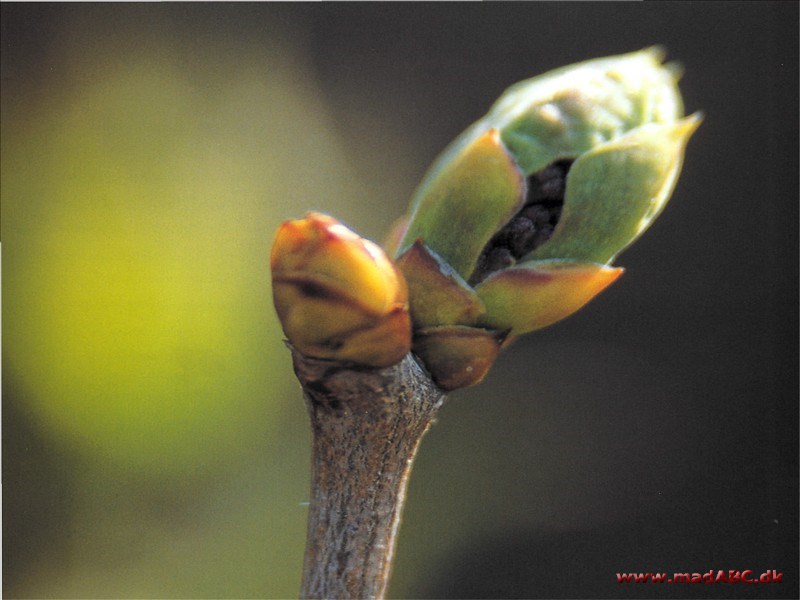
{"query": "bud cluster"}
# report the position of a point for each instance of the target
(514, 227)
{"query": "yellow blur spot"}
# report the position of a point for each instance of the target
(139, 201)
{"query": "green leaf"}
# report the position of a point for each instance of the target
(535, 294)
(437, 294)
(465, 200)
(616, 190)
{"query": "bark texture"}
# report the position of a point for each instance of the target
(367, 425)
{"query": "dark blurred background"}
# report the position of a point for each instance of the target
(155, 443)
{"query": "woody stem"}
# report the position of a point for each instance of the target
(367, 425)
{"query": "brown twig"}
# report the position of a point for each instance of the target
(367, 425)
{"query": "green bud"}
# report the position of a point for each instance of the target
(566, 112)
(516, 223)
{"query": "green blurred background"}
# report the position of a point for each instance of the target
(155, 443)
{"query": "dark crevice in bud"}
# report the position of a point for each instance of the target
(532, 226)
(311, 289)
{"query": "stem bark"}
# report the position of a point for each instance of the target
(367, 425)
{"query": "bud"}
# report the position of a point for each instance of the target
(457, 356)
(516, 224)
(337, 295)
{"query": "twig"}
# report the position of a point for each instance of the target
(367, 425)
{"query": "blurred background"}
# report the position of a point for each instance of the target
(155, 443)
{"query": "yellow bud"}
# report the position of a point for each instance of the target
(338, 296)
